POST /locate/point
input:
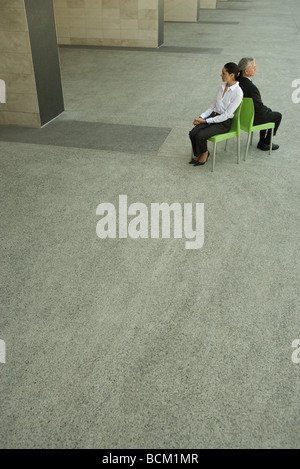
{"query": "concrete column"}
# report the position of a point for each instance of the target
(161, 21)
(130, 23)
(208, 4)
(29, 63)
(182, 10)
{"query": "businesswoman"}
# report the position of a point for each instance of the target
(217, 119)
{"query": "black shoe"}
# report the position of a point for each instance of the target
(266, 147)
(201, 164)
(193, 161)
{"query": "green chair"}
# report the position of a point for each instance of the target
(246, 123)
(233, 132)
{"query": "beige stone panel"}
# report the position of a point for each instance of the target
(13, 19)
(59, 4)
(129, 9)
(208, 4)
(76, 12)
(16, 102)
(2, 116)
(147, 14)
(93, 41)
(135, 43)
(111, 23)
(62, 31)
(61, 21)
(178, 10)
(92, 4)
(129, 34)
(16, 63)
(111, 4)
(82, 41)
(64, 40)
(93, 13)
(75, 3)
(153, 35)
(147, 43)
(77, 32)
(110, 33)
(61, 15)
(131, 25)
(148, 24)
(148, 4)
(76, 23)
(16, 41)
(93, 23)
(111, 14)
(128, 42)
(94, 33)
(173, 10)
(61, 12)
(23, 119)
(111, 42)
(12, 4)
(19, 83)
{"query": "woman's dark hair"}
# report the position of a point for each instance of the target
(231, 67)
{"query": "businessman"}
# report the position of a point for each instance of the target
(263, 114)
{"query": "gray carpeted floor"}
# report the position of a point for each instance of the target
(141, 343)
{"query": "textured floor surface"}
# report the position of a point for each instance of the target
(141, 343)
(92, 135)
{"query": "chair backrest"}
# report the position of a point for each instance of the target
(235, 124)
(247, 114)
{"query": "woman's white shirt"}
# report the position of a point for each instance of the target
(224, 105)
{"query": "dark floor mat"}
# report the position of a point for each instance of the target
(92, 135)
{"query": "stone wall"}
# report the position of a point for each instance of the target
(128, 23)
(186, 10)
(16, 67)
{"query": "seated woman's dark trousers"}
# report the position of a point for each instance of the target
(201, 132)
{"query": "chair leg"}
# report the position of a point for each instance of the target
(214, 157)
(238, 150)
(271, 142)
(225, 145)
(247, 146)
(251, 138)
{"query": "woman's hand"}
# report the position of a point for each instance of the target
(199, 121)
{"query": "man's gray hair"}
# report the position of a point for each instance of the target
(244, 64)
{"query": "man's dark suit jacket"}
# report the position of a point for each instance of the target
(251, 91)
